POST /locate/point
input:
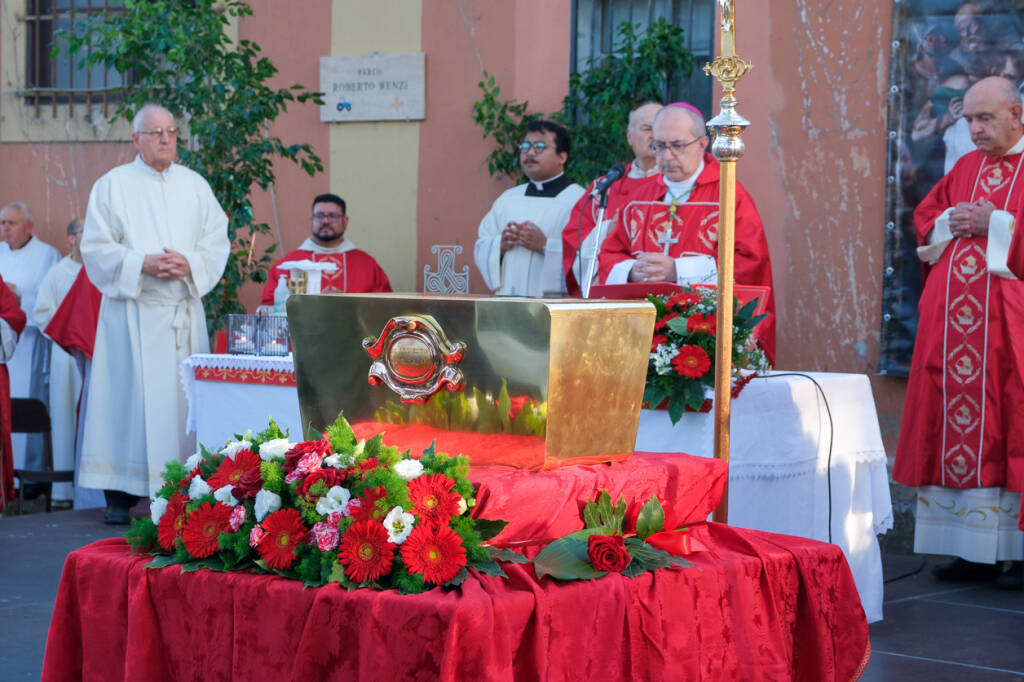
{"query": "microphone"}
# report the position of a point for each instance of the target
(614, 173)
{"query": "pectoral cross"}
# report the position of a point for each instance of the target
(665, 238)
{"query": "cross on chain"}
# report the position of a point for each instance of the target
(665, 238)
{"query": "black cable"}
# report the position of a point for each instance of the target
(924, 560)
(831, 435)
(579, 241)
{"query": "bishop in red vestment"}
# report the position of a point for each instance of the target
(357, 271)
(639, 173)
(961, 435)
(15, 319)
(669, 231)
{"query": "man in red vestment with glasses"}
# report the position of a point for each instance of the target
(961, 437)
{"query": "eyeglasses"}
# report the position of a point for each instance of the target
(327, 216)
(538, 146)
(677, 146)
(159, 132)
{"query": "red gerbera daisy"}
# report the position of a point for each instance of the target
(436, 552)
(368, 508)
(682, 301)
(702, 323)
(662, 323)
(171, 522)
(657, 341)
(691, 362)
(284, 531)
(365, 551)
(433, 499)
(231, 471)
(203, 526)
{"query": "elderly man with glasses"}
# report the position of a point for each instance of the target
(669, 231)
(155, 241)
(519, 245)
(357, 271)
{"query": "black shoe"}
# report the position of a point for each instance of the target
(116, 515)
(959, 570)
(1012, 577)
(31, 491)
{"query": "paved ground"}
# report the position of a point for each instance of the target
(932, 631)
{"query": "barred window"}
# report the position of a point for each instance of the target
(596, 21)
(53, 79)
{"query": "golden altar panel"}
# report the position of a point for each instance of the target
(582, 363)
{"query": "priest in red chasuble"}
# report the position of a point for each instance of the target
(12, 323)
(642, 171)
(962, 436)
(669, 230)
(357, 271)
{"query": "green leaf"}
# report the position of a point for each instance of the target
(506, 555)
(214, 563)
(459, 578)
(651, 519)
(488, 567)
(313, 434)
(651, 558)
(489, 529)
(566, 558)
(162, 561)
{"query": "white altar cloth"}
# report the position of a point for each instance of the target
(779, 464)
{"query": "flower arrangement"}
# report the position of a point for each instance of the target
(603, 546)
(681, 370)
(326, 510)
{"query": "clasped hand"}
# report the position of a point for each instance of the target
(167, 265)
(525, 234)
(653, 267)
(969, 219)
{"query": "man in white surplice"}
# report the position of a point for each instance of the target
(519, 243)
(24, 261)
(155, 242)
(65, 379)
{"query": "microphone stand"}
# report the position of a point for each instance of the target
(597, 243)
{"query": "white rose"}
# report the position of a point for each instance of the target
(223, 494)
(462, 506)
(336, 500)
(157, 508)
(234, 446)
(408, 469)
(266, 502)
(197, 488)
(399, 524)
(193, 461)
(275, 448)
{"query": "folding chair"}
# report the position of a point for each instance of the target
(29, 415)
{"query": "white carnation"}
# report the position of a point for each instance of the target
(338, 460)
(336, 500)
(223, 494)
(266, 502)
(462, 505)
(399, 524)
(157, 508)
(197, 488)
(408, 469)
(234, 446)
(193, 461)
(275, 448)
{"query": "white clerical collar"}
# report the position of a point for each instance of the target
(636, 172)
(310, 245)
(681, 188)
(540, 185)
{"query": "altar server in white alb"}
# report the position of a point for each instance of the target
(155, 242)
(519, 244)
(24, 261)
(65, 379)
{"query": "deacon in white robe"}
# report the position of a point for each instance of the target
(519, 243)
(65, 377)
(24, 261)
(155, 242)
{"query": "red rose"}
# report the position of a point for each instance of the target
(608, 553)
(292, 457)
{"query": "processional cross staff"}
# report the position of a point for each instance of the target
(728, 125)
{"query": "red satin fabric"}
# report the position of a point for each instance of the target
(73, 326)
(756, 606)
(13, 315)
(546, 505)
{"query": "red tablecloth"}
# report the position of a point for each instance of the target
(757, 606)
(549, 504)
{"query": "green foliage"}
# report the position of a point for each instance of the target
(182, 57)
(651, 519)
(143, 535)
(641, 68)
(602, 516)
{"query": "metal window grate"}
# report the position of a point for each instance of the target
(55, 78)
(595, 23)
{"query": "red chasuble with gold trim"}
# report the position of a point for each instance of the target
(648, 225)
(358, 272)
(963, 423)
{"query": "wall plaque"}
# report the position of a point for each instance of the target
(373, 87)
